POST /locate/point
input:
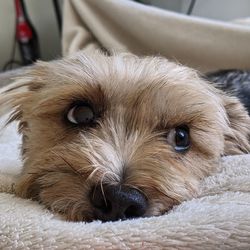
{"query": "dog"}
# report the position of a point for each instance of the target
(119, 137)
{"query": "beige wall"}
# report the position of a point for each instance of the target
(42, 16)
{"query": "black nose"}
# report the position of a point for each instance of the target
(117, 202)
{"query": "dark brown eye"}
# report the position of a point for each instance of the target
(81, 114)
(179, 138)
(182, 140)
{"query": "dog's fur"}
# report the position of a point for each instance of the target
(139, 102)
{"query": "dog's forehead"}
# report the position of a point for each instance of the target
(154, 84)
(129, 77)
(148, 87)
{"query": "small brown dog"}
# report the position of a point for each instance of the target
(120, 137)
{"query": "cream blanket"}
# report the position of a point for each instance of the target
(218, 219)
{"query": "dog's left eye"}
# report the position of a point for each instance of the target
(182, 141)
(81, 114)
(179, 138)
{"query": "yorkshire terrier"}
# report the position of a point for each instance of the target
(118, 137)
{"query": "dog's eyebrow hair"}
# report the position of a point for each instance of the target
(16, 87)
(67, 95)
(94, 94)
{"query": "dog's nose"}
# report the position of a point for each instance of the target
(117, 202)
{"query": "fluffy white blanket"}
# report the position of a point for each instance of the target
(218, 219)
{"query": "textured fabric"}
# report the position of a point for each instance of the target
(124, 25)
(217, 219)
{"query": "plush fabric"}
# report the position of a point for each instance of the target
(218, 219)
(124, 25)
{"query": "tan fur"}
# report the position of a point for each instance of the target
(140, 100)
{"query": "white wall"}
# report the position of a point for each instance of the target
(225, 10)
(42, 16)
(174, 5)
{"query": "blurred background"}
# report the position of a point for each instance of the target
(43, 17)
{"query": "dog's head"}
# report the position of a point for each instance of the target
(120, 137)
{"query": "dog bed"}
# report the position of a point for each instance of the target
(218, 219)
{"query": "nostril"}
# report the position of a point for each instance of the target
(104, 206)
(136, 206)
(99, 201)
(131, 212)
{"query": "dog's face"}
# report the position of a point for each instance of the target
(120, 137)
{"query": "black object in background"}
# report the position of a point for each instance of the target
(191, 7)
(26, 35)
(235, 82)
(58, 15)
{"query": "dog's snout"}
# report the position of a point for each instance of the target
(117, 202)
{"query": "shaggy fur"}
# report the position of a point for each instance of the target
(139, 102)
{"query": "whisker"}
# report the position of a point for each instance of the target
(93, 193)
(31, 173)
(103, 194)
(92, 173)
(67, 163)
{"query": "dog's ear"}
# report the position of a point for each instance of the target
(237, 141)
(14, 96)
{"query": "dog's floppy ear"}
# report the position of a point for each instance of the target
(237, 141)
(10, 96)
(15, 95)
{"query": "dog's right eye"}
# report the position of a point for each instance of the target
(81, 114)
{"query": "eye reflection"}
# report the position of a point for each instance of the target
(81, 114)
(179, 138)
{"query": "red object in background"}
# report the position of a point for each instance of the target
(26, 35)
